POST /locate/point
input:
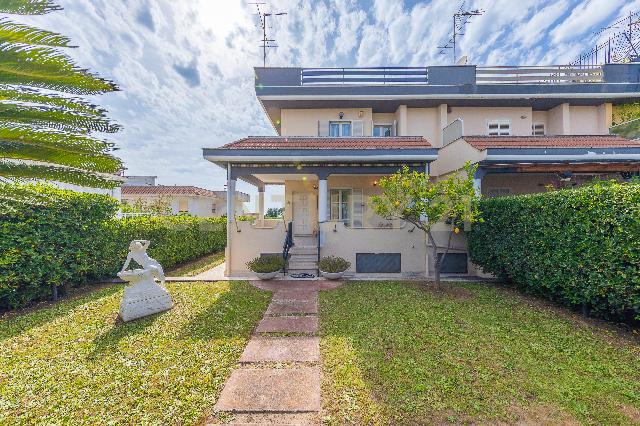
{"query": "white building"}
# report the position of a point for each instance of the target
(184, 199)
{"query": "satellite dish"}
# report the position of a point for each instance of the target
(462, 61)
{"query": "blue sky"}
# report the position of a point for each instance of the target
(185, 67)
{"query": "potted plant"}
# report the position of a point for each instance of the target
(266, 267)
(332, 267)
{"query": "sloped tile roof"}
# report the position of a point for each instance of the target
(560, 141)
(167, 190)
(320, 142)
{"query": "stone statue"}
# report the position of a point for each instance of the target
(143, 296)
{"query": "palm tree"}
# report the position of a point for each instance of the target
(45, 124)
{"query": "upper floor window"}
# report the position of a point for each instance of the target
(498, 128)
(382, 130)
(339, 128)
(537, 129)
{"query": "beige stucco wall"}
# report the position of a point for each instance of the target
(424, 122)
(304, 122)
(345, 242)
(476, 118)
(250, 242)
(453, 157)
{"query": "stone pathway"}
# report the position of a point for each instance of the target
(278, 377)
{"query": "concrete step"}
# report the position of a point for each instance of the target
(304, 250)
(297, 257)
(295, 264)
(311, 240)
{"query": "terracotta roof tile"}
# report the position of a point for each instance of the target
(320, 142)
(563, 141)
(167, 190)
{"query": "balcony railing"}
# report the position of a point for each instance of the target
(555, 74)
(393, 76)
(364, 76)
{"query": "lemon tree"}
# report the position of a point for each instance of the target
(417, 198)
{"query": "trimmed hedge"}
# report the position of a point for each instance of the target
(56, 237)
(579, 247)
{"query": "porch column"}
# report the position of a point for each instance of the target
(477, 180)
(231, 192)
(261, 203)
(322, 200)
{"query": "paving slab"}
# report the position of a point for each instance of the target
(295, 324)
(280, 419)
(301, 295)
(282, 349)
(271, 390)
(286, 306)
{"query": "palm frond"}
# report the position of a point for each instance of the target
(55, 118)
(28, 7)
(21, 170)
(11, 32)
(34, 97)
(100, 163)
(49, 138)
(48, 68)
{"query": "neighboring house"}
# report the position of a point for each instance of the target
(186, 199)
(340, 130)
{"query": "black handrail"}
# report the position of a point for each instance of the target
(288, 243)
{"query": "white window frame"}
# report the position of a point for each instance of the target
(539, 123)
(341, 122)
(346, 221)
(499, 123)
(389, 125)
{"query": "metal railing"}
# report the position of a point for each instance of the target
(552, 74)
(288, 243)
(364, 76)
(392, 76)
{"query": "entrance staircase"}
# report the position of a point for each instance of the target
(303, 255)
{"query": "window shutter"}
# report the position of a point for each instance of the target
(358, 207)
(323, 128)
(394, 128)
(357, 128)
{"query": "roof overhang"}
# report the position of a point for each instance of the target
(554, 155)
(224, 156)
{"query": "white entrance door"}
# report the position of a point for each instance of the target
(302, 202)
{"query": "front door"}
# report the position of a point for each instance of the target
(302, 203)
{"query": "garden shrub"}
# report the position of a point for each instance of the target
(266, 264)
(56, 237)
(333, 264)
(579, 247)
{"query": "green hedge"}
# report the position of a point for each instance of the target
(56, 237)
(579, 247)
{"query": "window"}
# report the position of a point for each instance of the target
(339, 128)
(499, 128)
(341, 205)
(499, 192)
(537, 129)
(382, 130)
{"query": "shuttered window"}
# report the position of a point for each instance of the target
(498, 128)
(537, 129)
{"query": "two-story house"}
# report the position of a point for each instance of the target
(339, 130)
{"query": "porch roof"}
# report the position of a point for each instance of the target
(303, 149)
(553, 142)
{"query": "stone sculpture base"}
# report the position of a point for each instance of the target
(143, 297)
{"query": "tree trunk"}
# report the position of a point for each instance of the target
(436, 262)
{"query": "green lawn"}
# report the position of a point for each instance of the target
(74, 363)
(395, 353)
(197, 266)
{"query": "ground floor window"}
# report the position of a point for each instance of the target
(341, 205)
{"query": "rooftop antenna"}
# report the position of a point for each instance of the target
(460, 19)
(266, 42)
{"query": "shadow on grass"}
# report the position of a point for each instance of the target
(233, 314)
(108, 341)
(21, 322)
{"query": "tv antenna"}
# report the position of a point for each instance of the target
(623, 46)
(266, 42)
(460, 19)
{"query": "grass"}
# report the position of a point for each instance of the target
(397, 353)
(197, 266)
(73, 362)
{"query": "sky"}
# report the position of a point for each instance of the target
(185, 68)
